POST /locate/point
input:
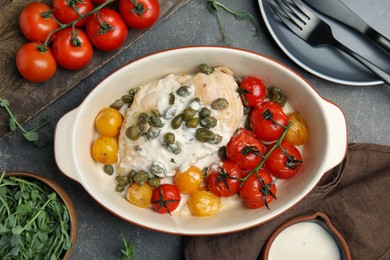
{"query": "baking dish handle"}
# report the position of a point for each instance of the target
(337, 135)
(63, 146)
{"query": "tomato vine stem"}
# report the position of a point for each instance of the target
(277, 144)
(73, 23)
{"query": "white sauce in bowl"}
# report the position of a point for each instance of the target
(305, 240)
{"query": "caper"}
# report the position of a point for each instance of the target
(109, 169)
(174, 148)
(156, 121)
(220, 104)
(152, 133)
(217, 139)
(122, 180)
(128, 99)
(143, 117)
(141, 177)
(156, 113)
(170, 113)
(276, 94)
(171, 98)
(204, 135)
(188, 114)
(133, 132)
(169, 138)
(195, 104)
(143, 126)
(132, 173)
(119, 188)
(204, 112)
(154, 182)
(117, 104)
(193, 122)
(133, 91)
(158, 169)
(183, 91)
(222, 153)
(206, 69)
(208, 122)
(177, 121)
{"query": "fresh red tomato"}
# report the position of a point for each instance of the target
(36, 23)
(223, 178)
(252, 91)
(64, 10)
(72, 51)
(268, 121)
(245, 149)
(258, 190)
(285, 161)
(35, 62)
(106, 30)
(165, 198)
(139, 14)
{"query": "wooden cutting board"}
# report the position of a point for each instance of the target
(26, 98)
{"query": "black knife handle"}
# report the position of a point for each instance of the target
(378, 38)
(369, 65)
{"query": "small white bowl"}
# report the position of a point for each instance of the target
(325, 148)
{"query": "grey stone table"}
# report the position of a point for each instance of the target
(367, 111)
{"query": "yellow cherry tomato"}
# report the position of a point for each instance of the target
(108, 122)
(189, 181)
(204, 203)
(298, 132)
(105, 150)
(140, 195)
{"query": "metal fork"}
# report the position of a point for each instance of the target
(315, 31)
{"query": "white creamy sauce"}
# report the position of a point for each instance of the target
(305, 240)
(192, 152)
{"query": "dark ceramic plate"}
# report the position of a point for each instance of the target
(326, 61)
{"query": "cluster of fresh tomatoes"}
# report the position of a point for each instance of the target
(252, 161)
(66, 32)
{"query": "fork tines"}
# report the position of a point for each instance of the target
(290, 12)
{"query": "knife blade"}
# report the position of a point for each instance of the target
(338, 11)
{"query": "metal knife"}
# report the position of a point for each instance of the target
(341, 13)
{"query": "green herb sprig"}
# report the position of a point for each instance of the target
(128, 251)
(34, 222)
(32, 135)
(212, 6)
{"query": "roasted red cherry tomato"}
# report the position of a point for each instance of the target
(72, 51)
(284, 161)
(252, 91)
(64, 10)
(36, 22)
(258, 190)
(165, 198)
(223, 178)
(106, 30)
(245, 149)
(268, 121)
(139, 14)
(35, 62)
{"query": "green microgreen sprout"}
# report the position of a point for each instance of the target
(32, 135)
(128, 251)
(34, 222)
(212, 6)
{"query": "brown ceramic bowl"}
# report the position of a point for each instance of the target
(306, 237)
(65, 199)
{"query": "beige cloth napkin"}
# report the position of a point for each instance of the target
(355, 195)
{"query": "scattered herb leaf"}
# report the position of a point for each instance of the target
(128, 251)
(212, 6)
(32, 135)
